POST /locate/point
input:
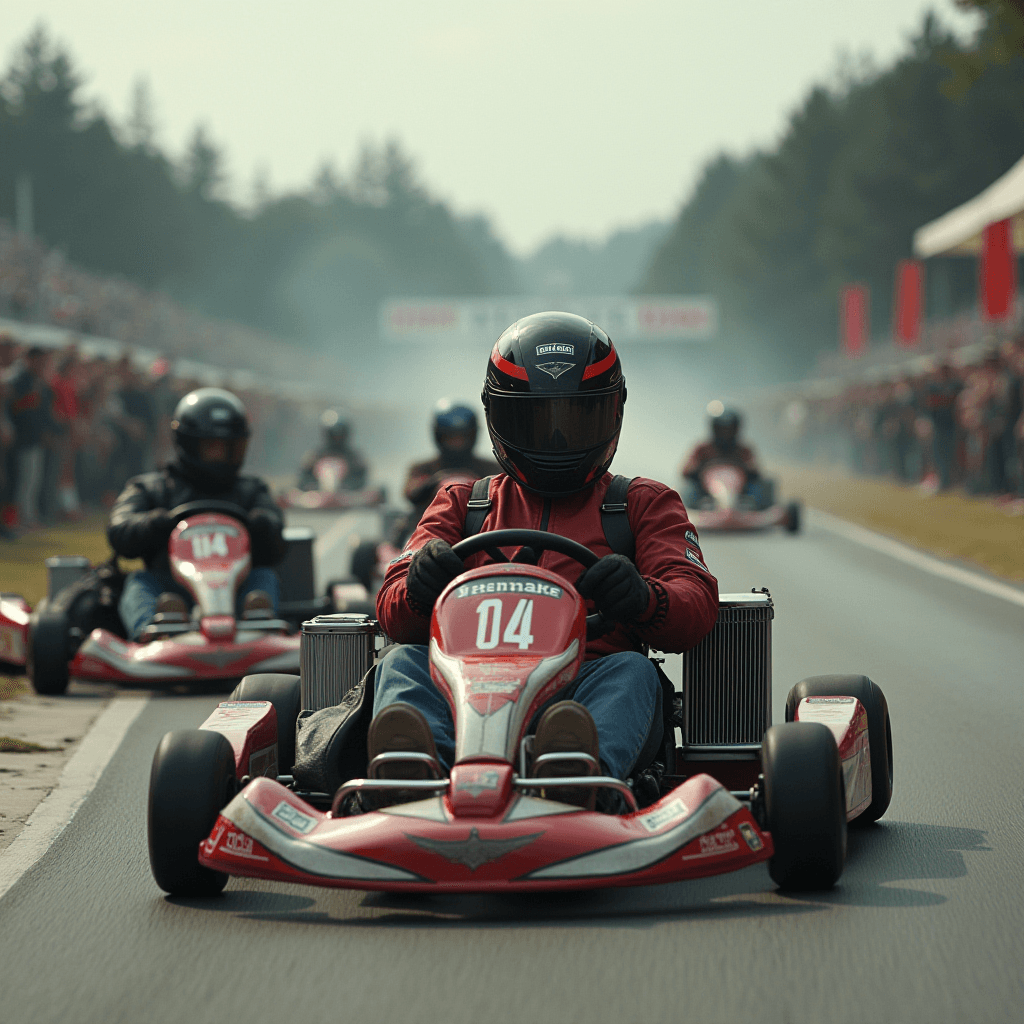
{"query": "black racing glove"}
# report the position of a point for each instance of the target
(263, 526)
(432, 568)
(619, 591)
(158, 527)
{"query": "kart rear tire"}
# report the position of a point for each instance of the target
(805, 805)
(192, 780)
(794, 517)
(46, 662)
(285, 693)
(879, 731)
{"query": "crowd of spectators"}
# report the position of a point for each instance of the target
(74, 428)
(952, 421)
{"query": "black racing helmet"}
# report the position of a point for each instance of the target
(455, 429)
(553, 397)
(725, 425)
(337, 430)
(210, 414)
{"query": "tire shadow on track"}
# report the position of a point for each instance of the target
(890, 852)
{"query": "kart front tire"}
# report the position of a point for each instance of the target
(879, 730)
(192, 780)
(47, 658)
(805, 805)
(285, 693)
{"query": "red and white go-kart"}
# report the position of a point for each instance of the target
(209, 555)
(727, 505)
(505, 638)
(330, 492)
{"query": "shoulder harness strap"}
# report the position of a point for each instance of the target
(614, 518)
(478, 506)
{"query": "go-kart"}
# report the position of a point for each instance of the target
(329, 490)
(504, 639)
(209, 555)
(725, 502)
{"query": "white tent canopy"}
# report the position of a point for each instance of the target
(958, 233)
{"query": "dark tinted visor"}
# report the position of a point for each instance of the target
(550, 423)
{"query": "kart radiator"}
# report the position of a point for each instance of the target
(335, 652)
(727, 680)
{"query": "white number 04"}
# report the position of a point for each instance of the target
(488, 627)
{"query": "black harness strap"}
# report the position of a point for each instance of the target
(614, 518)
(477, 507)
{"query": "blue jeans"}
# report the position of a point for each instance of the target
(619, 690)
(141, 590)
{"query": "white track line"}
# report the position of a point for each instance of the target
(77, 780)
(911, 556)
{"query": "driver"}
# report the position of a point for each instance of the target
(554, 396)
(336, 441)
(724, 447)
(210, 431)
(454, 427)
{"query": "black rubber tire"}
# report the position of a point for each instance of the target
(364, 563)
(879, 731)
(794, 517)
(805, 806)
(47, 658)
(192, 780)
(285, 693)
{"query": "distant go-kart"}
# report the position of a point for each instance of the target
(504, 639)
(727, 505)
(209, 555)
(330, 492)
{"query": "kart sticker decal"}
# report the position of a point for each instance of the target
(750, 837)
(637, 854)
(558, 348)
(305, 855)
(671, 813)
(696, 561)
(714, 844)
(293, 818)
(478, 783)
(509, 585)
(555, 370)
(238, 844)
(473, 852)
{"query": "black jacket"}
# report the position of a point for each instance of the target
(135, 533)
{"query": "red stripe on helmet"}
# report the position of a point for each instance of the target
(596, 369)
(507, 367)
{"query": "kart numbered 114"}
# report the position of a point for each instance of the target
(504, 638)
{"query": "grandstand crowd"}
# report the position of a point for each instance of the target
(950, 422)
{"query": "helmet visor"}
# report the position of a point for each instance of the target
(555, 423)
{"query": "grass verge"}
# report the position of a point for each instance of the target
(10, 745)
(949, 525)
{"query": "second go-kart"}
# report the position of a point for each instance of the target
(329, 474)
(504, 638)
(726, 503)
(209, 555)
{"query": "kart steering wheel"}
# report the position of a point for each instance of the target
(538, 541)
(194, 508)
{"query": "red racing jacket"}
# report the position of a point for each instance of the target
(684, 595)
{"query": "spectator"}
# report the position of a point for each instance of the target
(30, 407)
(938, 403)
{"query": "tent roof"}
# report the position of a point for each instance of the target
(958, 233)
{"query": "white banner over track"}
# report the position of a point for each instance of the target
(630, 318)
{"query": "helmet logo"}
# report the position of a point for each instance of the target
(555, 369)
(555, 349)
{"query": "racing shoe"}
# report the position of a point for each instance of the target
(257, 605)
(399, 729)
(567, 728)
(171, 608)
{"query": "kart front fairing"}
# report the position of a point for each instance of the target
(504, 639)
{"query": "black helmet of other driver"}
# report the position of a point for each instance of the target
(725, 425)
(553, 397)
(337, 431)
(455, 428)
(211, 431)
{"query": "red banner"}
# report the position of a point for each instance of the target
(909, 304)
(997, 271)
(854, 323)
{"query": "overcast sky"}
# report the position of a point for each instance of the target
(570, 116)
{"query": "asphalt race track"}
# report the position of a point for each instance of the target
(927, 924)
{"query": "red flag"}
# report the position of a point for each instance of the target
(997, 271)
(909, 302)
(853, 319)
